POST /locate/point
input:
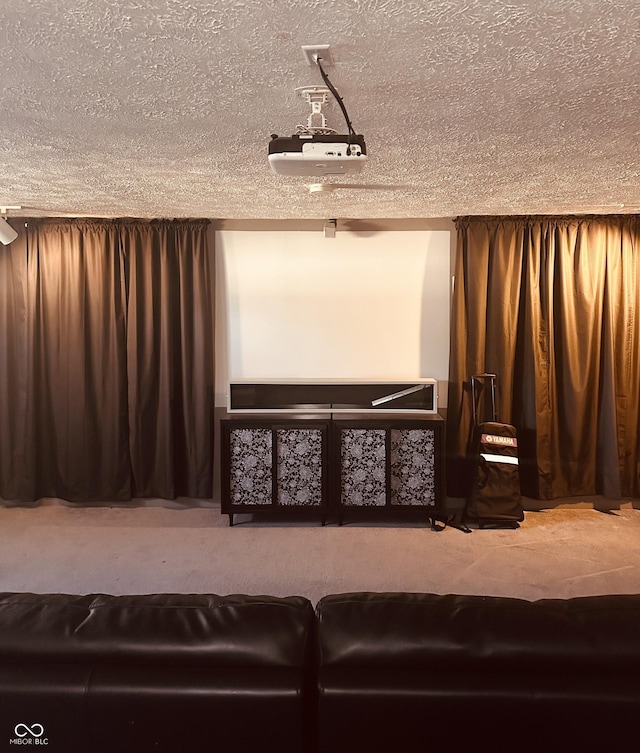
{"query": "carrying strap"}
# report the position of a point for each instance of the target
(439, 524)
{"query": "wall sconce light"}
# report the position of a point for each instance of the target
(7, 233)
(330, 228)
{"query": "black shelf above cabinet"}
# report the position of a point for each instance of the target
(418, 396)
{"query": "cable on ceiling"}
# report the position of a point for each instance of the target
(332, 89)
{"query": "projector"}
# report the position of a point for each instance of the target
(315, 154)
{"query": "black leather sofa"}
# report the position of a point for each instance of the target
(419, 672)
(368, 672)
(173, 673)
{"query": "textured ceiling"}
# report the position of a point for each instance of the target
(152, 108)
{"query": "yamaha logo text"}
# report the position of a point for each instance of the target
(29, 734)
(497, 439)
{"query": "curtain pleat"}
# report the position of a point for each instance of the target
(13, 365)
(170, 355)
(91, 409)
(549, 304)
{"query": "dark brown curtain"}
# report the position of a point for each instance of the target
(170, 359)
(13, 364)
(551, 305)
(107, 351)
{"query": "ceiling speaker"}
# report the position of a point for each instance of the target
(7, 233)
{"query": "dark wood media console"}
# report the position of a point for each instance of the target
(333, 466)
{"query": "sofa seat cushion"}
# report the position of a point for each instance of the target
(377, 711)
(174, 709)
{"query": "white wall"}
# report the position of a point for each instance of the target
(362, 305)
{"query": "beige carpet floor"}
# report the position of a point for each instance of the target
(559, 552)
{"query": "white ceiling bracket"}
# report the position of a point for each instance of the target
(312, 52)
(321, 188)
(329, 228)
(316, 96)
(7, 233)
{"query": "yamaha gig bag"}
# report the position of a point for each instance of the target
(495, 494)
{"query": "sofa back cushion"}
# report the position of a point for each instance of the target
(182, 629)
(428, 631)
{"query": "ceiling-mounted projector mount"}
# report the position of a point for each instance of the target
(317, 149)
(315, 96)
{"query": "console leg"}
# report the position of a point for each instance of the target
(230, 519)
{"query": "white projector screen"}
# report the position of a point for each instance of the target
(357, 306)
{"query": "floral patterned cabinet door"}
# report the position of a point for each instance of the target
(277, 466)
(392, 466)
